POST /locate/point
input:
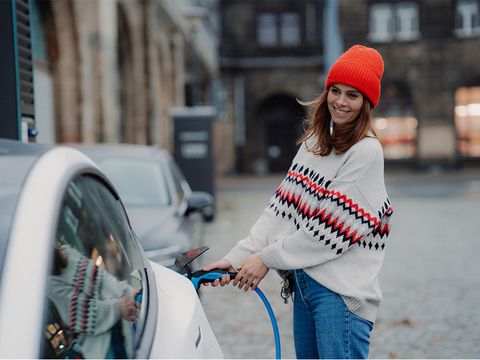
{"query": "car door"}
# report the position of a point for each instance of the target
(98, 294)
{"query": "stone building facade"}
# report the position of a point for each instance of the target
(275, 52)
(430, 106)
(110, 70)
(272, 55)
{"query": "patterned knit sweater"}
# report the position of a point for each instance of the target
(330, 216)
(87, 298)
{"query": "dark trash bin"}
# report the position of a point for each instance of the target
(193, 146)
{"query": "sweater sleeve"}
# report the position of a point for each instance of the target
(82, 313)
(256, 240)
(259, 235)
(348, 210)
(87, 296)
(113, 287)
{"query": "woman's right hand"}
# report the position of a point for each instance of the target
(128, 308)
(223, 265)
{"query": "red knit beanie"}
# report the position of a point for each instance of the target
(360, 67)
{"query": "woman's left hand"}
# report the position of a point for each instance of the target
(251, 271)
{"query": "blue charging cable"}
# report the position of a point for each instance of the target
(276, 334)
(200, 276)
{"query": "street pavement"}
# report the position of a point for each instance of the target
(430, 278)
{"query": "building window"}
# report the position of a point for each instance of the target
(382, 25)
(394, 21)
(282, 29)
(467, 121)
(267, 29)
(290, 29)
(407, 21)
(467, 18)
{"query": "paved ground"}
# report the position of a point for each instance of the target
(430, 279)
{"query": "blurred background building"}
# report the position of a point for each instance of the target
(274, 52)
(112, 70)
(430, 106)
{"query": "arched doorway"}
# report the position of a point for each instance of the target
(56, 71)
(282, 117)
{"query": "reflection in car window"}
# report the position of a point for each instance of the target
(95, 287)
(139, 182)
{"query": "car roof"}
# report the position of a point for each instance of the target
(122, 150)
(28, 153)
(16, 161)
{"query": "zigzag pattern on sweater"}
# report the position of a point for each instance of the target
(331, 217)
(82, 304)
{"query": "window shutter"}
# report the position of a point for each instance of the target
(24, 56)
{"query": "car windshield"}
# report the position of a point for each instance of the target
(141, 183)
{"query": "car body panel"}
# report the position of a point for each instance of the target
(184, 320)
(28, 262)
(31, 238)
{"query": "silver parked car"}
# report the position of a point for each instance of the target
(74, 281)
(165, 213)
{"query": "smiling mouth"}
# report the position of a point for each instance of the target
(341, 112)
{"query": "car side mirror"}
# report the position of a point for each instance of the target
(197, 201)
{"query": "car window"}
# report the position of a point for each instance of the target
(139, 182)
(95, 290)
(180, 183)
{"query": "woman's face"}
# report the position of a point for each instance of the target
(344, 103)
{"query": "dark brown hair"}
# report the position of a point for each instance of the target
(342, 138)
(60, 260)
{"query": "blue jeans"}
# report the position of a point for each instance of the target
(323, 326)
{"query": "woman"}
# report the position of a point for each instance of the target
(92, 304)
(329, 219)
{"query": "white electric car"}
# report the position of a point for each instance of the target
(74, 281)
